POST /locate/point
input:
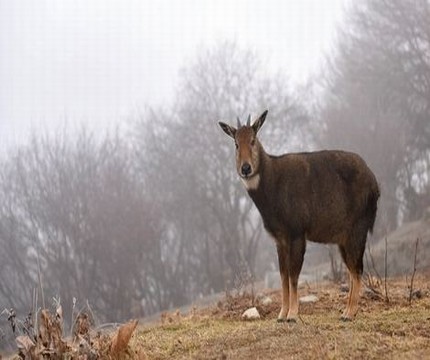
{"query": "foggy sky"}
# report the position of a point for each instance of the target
(100, 61)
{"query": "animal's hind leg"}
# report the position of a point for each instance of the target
(352, 253)
(354, 296)
(350, 286)
(285, 282)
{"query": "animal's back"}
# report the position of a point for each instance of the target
(327, 193)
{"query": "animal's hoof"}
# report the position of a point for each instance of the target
(281, 320)
(291, 321)
(345, 318)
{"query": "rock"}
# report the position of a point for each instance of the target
(251, 314)
(267, 300)
(308, 299)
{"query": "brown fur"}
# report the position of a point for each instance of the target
(325, 197)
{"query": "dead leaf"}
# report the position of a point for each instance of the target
(25, 343)
(45, 326)
(82, 326)
(59, 317)
(122, 337)
(26, 346)
(51, 334)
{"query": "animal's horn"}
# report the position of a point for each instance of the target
(238, 123)
(248, 122)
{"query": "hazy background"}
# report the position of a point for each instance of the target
(117, 186)
(98, 62)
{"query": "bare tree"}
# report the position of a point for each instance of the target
(377, 99)
(74, 209)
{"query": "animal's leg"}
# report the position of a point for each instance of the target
(352, 252)
(297, 247)
(350, 285)
(348, 302)
(354, 296)
(283, 269)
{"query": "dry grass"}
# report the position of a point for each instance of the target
(380, 331)
(394, 330)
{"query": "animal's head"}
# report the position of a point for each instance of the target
(247, 145)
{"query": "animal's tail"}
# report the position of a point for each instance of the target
(372, 205)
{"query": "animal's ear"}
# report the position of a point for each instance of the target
(260, 121)
(229, 130)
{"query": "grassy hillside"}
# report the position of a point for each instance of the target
(397, 329)
(401, 248)
(381, 331)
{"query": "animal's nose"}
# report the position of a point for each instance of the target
(246, 169)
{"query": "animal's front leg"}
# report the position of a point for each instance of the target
(294, 300)
(283, 269)
(296, 254)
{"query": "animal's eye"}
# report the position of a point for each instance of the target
(252, 142)
(237, 146)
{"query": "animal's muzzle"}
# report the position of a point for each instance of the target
(246, 169)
